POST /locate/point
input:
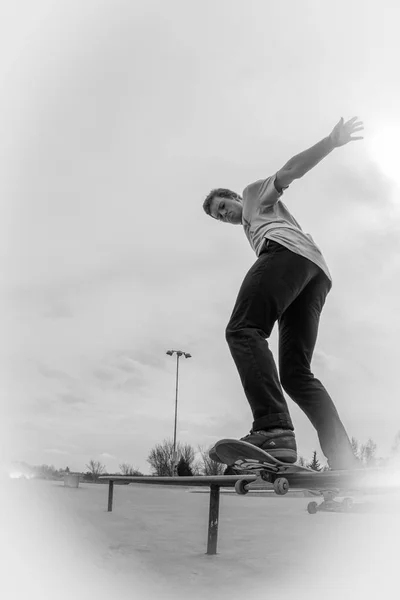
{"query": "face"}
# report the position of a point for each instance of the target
(227, 210)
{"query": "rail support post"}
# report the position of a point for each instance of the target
(213, 517)
(110, 495)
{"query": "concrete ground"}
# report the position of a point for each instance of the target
(155, 541)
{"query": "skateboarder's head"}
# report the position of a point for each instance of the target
(224, 205)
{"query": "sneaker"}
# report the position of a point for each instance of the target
(279, 443)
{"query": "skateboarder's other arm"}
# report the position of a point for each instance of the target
(300, 164)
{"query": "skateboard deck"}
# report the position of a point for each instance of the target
(247, 457)
(283, 476)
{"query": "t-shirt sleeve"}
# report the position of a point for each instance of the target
(260, 197)
(262, 193)
(267, 192)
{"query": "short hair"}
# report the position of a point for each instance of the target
(222, 193)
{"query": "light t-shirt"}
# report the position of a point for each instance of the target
(265, 216)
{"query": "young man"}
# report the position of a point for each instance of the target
(287, 284)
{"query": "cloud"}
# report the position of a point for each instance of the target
(125, 363)
(58, 310)
(71, 399)
(56, 374)
(364, 185)
(104, 374)
(132, 385)
(322, 360)
(41, 406)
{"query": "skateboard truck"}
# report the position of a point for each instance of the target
(329, 503)
(281, 484)
(281, 487)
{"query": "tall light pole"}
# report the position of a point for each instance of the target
(178, 353)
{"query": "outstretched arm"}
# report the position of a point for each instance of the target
(300, 164)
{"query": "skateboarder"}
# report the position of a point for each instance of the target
(287, 284)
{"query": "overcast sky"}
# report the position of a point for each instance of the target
(116, 120)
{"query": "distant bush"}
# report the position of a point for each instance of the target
(183, 468)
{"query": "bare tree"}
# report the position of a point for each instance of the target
(127, 469)
(96, 469)
(368, 453)
(356, 447)
(396, 445)
(301, 461)
(46, 472)
(161, 458)
(186, 451)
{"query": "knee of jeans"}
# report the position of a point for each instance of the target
(229, 332)
(232, 332)
(292, 379)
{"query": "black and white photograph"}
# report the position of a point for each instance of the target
(200, 291)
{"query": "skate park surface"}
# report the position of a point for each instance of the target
(67, 545)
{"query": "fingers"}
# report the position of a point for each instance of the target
(355, 138)
(354, 125)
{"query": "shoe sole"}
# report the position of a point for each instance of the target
(214, 456)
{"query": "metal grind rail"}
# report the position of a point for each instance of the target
(214, 482)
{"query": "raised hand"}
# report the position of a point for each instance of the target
(342, 132)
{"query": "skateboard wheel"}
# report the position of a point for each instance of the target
(312, 508)
(240, 487)
(281, 486)
(347, 504)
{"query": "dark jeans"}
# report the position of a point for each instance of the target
(285, 287)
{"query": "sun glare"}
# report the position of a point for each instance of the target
(18, 475)
(383, 149)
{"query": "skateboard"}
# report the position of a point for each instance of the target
(248, 458)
